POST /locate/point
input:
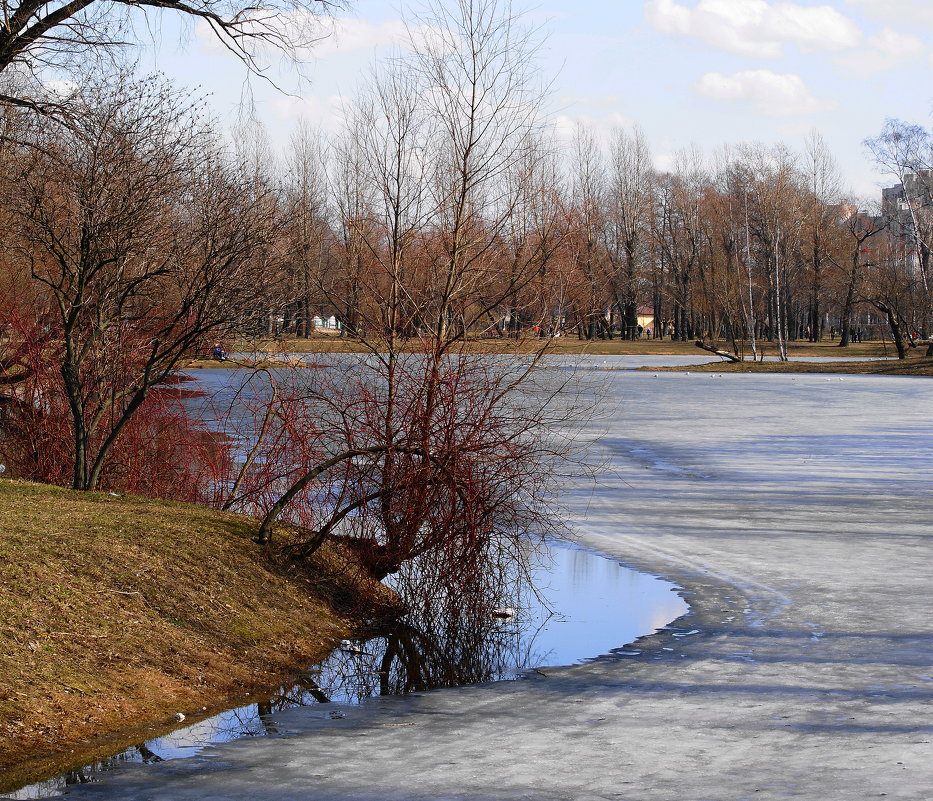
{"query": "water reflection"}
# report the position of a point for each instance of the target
(591, 605)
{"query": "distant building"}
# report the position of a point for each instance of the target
(326, 323)
(646, 317)
(906, 206)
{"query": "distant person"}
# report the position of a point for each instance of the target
(648, 333)
(218, 352)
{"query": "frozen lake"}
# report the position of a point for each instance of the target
(796, 512)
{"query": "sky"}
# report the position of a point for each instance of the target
(689, 72)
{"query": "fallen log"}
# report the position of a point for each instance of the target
(722, 353)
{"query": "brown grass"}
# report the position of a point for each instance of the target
(329, 343)
(117, 612)
(916, 364)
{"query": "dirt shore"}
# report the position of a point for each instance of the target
(118, 612)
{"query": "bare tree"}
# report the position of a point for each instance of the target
(38, 36)
(629, 204)
(679, 231)
(890, 285)
(860, 228)
(536, 236)
(906, 151)
(776, 215)
(309, 234)
(589, 201)
(484, 100)
(419, 449)
(821, 214)
(143, 237)
(730, 242)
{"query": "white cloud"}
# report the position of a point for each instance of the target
(885, 51)
(755, 27)
(768, 93)
(609, 99)
(564, 126)
(906, 12)
(665, 160)
(328, 113)
(346, 34)
(599, 113)
(321, 36)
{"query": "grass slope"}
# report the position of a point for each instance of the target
(116, 612)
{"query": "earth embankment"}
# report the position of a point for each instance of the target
(118, 612)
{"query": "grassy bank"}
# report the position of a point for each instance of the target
(117, 612)
(916, 364)
(567, 345)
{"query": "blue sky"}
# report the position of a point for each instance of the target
(704, 72)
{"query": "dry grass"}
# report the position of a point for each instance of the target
(916, 364)
(568, 345)
(117, 612)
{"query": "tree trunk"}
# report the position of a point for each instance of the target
(723, 353)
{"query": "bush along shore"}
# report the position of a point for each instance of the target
(118, 612)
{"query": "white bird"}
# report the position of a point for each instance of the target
(503, 612)
(178, 717)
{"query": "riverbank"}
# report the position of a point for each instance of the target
(866, 358)
(293, 352)
(116, 613)
(916, 364)
(569, 344)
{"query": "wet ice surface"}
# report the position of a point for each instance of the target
(585, 361)
(797, 512)
(596, 361)
(588, 605)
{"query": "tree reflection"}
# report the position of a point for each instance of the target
(453, 637)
